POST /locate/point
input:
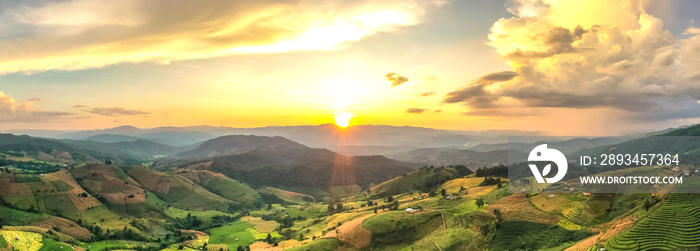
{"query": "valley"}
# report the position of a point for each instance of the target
(245, 192)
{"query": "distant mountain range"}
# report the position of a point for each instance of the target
(354, 140)
(83, 150)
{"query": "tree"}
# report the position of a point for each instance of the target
(484, 229)
(390, 198)
(269, 206)
(339, 206)
(479, 202)
(443, 192)
(268, 239)
(498, 214)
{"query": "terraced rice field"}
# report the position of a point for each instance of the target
(674, 225)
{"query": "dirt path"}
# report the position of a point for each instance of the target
(353, 233)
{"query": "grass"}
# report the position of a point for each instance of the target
(27, 178)
(261, 225)
(408, 182)
(450, 239)
(522, 235)
(22, 240)
(233, 235)
(19, 218)
(104, 218)
(390, 221)
(495, 195)
(288, 197)
(112, 244)
(61, 186)
(325, 244)
(202, 215)
(464, 208)
(3, 242)
(51, 245)
(438, 203)
(452, 186)
(228, 188)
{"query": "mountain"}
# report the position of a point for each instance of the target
(451, 156)
(173, 136)
(310, 170)
(566, 146)
(683, 141)
(83, 150)
(111, 138)
(359, 139)
(234, 144)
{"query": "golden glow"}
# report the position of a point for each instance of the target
(343, 119)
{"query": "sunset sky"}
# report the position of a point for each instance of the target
(564, 67)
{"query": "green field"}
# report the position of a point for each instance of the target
(326, 244)
(51, 245)
(3, 242)
(522, 235)
(16, 217)
(233, 235)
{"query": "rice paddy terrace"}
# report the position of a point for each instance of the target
(675, 224)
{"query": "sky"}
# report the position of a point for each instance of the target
(565, 67)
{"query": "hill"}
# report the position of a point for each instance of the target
(224, 186)
(425, 179)
(308, 170)
(234, 144)
(111, 138)
(177, 190)
(451, 156)
(82, 150)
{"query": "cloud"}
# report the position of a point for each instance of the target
(427, 94)
(592, 54)
(80, 106)
(475, 90)
(395, 79)
(114, 111)
(24, 111)
(437, 111)
(692, 30)
(80, 34)
(415, 110)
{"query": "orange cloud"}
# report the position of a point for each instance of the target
(13, 111)
(72, 35)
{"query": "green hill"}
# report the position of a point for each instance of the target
(423, 179)
(177, 190)
(224, 186)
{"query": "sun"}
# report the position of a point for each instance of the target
(343, 119)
